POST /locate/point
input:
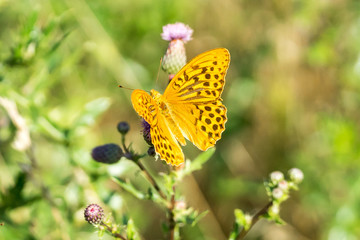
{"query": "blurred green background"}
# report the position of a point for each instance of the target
(292, 93)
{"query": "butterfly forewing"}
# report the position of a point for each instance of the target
(161, 136)
(201, 80)
(145, 106)
(165, 144)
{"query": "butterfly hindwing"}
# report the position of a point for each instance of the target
(202, 124)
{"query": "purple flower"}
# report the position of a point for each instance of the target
(177, 31)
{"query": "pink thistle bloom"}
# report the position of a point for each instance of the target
(177, 31)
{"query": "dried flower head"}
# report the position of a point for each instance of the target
(177, 31)
(94, 214)
(108, 153)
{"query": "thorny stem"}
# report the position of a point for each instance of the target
(117, 235)
(255, 218)
(151, 179)
(123, 143)
(143, 169)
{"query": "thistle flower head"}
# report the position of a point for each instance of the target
(176, 31)
(94, 214)
(175, 57)
(108, 153)
(146, 131)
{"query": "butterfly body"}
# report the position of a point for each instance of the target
(191, 106)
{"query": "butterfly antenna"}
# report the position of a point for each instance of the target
(129, 88)
(126, 88)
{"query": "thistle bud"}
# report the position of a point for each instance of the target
(94, 214)
(123, 127)
(108, 153)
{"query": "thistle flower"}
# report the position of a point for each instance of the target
(146, 131)
(123, 127)
(108, 153)
(94, 214)
(175, 57)
(177, 31)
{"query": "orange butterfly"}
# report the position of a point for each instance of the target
(190, 107)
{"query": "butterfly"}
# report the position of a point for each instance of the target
(191, 106)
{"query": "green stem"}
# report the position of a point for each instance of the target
(151, 179)
(117, 235)
(255, 219)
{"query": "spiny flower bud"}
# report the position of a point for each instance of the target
(175, 57)
(94, 214)
(123, 127)
(108, 153)
(146, 131)
(296, 175)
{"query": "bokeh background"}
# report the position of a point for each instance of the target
(292, 93)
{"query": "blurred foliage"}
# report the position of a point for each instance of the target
(292, 94)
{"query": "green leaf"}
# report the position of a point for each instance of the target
(199, 217)
(197, 163)
(242, 219)
(131, 231)
(129, 188)
(92, 110)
